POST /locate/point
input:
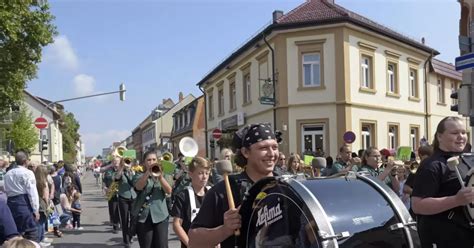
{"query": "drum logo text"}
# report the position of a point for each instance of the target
(269, 216)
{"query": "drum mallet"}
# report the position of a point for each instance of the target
(317, 164)
(453, 163)
(224, 167)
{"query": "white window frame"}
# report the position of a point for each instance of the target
(366, 136)
(413, 83)
(247, 88)
(365, 70)
(210, 98)
(440, 89)
(413, 136)
(392, 136)
(313, 136)
(312, 64)
(220, 99)
(233, 94)
(391, 78)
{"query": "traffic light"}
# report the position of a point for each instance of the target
(44, 144)
(122, 92)
(212, 143)
(463, 106)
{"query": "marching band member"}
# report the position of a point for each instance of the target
(188, 202)
(215, 222)
(437, 196)
(23, 199)
(113, 201)
(126, 196)
(150, 206)
(371, 162)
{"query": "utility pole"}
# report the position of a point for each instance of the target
(465, 63)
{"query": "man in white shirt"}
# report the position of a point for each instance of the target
(23, 200)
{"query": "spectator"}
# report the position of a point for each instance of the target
(7, 224)
(3, 170)
(280, 166)
(20, 187)
(43, 193)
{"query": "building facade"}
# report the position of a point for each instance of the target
(189, 121)
(335, 71)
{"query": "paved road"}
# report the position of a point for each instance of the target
(94, 219)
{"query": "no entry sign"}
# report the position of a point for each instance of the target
(216, 134)
(41, 123)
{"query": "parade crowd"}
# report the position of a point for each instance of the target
(142, 197)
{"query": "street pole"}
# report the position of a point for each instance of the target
(121, 91)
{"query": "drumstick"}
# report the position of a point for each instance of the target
(453, 163)
(224, 167)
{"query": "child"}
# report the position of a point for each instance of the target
(188, 201)
(76, 211)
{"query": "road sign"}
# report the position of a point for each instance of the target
(216, 134)
(465, 62)
(349, 137)
(41, 123)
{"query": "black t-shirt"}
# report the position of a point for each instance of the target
(410, 180)
(435, 179)
(182, 208)
(215, 205)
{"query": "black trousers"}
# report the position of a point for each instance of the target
(76, 220)
(153, 235)
(125, 206)
(114, 212)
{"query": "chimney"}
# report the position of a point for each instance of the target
(180, 96)
(423, 40)
(276, 15)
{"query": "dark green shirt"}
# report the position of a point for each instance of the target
(156, 205)
(376, 172)
(109, 177)
(125, 189)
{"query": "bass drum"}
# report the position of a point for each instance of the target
(356, 210)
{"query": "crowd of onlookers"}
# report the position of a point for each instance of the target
(36, 199)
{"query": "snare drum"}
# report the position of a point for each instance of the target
(351, 211)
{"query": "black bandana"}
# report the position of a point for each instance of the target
(251, 134)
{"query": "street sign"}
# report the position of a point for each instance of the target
(41, 123)
(349, 137)
(465, 62)
(216, 134)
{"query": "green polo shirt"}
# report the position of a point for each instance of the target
(157, 205)
(125, 189)
(375, 173)
(339, 166)
(109, 177)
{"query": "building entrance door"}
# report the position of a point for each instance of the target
(313, 137)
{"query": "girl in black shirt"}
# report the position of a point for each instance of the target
(437, 196)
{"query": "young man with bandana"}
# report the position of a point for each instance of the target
(257, 152)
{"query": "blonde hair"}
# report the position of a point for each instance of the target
(224, 151)
(76, 196)
(19, 242)
(294, 157)
(199, 162)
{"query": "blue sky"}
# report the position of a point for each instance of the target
(159, 48)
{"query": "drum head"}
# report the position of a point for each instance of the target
(275, 216)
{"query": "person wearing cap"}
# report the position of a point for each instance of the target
(257, 152)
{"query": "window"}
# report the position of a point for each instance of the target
(392, 78)
(311, 64)
(311, 70)
(188, 113)
(220, 99)
(413, 80)
(232, 99)
(366, 71)
(440, 90)
(247, 88)
(414, 137)
(185, 119)
(367, 135)
(393, 136)
(313, 137)
(210, 105)
(454, 88)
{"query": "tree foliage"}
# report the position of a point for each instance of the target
(23, 133)
(25, 28)
(70, 132)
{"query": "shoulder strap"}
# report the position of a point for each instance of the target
(192, 202)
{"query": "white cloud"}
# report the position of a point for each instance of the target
(84, 84)
(96, 141)
(60, 53)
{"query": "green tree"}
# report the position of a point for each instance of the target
(22, 132)
(70, 132)
(25, 28)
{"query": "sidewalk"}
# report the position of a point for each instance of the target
(97, 233)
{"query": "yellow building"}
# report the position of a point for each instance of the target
(335, 71)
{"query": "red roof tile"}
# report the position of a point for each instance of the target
(445, 69)
(314, 11)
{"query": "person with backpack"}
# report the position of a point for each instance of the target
(257, 153)
(188, 201)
